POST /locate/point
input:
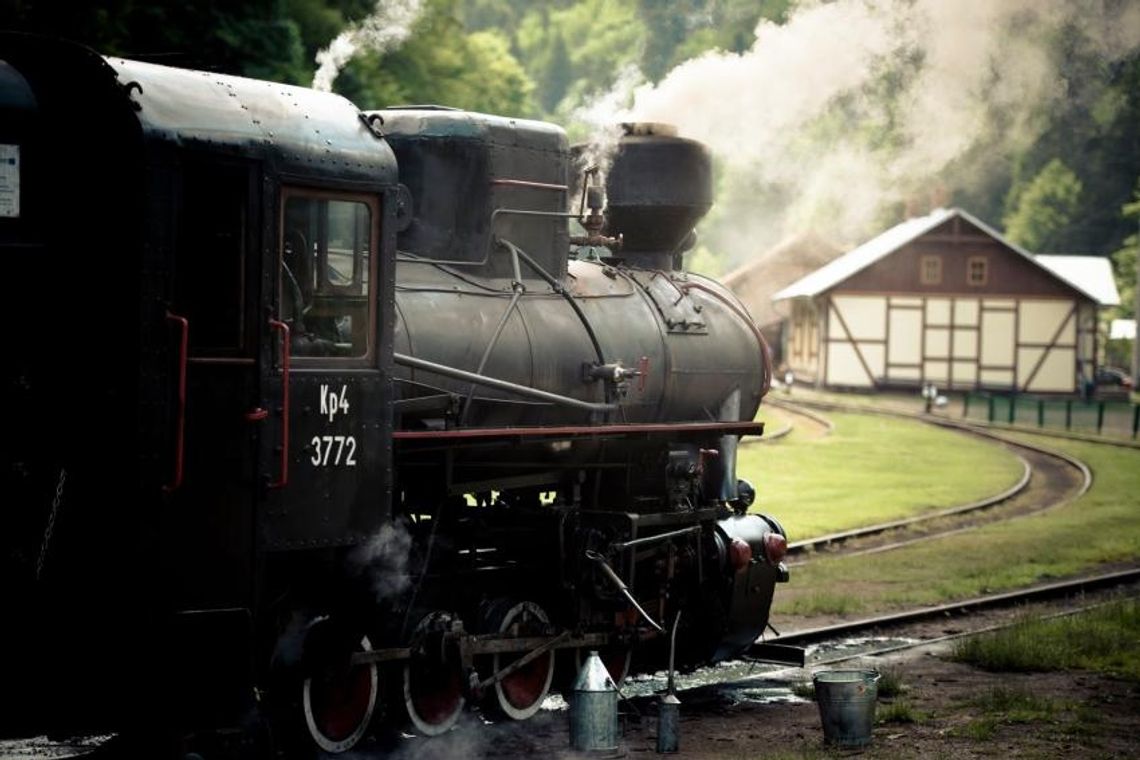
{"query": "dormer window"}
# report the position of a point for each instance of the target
(976, 271)
(930, 272)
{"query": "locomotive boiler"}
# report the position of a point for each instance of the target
(322, 418)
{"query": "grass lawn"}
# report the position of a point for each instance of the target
(1106, 640)
(1100, 528)
(869, 470)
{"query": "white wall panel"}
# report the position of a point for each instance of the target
(875, 355)
(936, 371)
(1038, 321)
(905, 373)
(964, 374)
(996, 377)
(938, 311)
(843, 366)
(866, 317)
(1027, 359)
(937, 343)
(906, 337)
(997, 338)
(1058, 372)
(965, 344)
(966, 311)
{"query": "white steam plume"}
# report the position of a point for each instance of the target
(388, 26)
(384, 558)
(955, 86)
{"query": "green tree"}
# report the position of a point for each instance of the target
(1124, 259)
(442, 64)
(1044, 208)
(256, 38)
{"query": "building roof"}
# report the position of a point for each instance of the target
(1122, 329)
(1089, 274)
(792, 258)
(857, 259)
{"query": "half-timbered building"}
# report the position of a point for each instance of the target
(945, 299)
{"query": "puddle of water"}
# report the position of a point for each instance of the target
(853, 647)
(42, 747)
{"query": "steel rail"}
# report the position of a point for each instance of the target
(1007, 598)
(843, 536)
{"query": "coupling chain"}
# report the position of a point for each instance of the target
(50, 528)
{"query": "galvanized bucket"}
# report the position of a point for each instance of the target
(847, 705)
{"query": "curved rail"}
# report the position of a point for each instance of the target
(982, 504)
(1004, 599)
(827, 425)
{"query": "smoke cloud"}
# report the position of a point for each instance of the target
(384, 559)
(388, 26)
(853, 106)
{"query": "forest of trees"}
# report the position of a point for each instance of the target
(1073, 189)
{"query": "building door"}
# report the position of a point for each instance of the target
(213, 319)
(328, 481)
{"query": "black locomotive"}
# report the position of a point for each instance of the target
(315, 415)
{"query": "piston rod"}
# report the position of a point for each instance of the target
(619, 584)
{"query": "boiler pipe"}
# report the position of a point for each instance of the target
(502, 385)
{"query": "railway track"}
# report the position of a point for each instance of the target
(1049, 480)
(812, 424)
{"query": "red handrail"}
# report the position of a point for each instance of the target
(180, 442)
(283, 328)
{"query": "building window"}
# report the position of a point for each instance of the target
(976, 273)
(931, 270)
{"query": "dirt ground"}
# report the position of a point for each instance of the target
(1093, 716)
(1074, 713)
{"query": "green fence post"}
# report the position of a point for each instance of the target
(1099, 417)
(966, 406)
(1135, 418)
(1012, 408)
(990, 404)
(1068, 414)
(1040, 412)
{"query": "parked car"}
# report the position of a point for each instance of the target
(1113, 376)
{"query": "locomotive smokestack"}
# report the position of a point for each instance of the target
(658, 188)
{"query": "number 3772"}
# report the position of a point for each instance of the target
(333, 451)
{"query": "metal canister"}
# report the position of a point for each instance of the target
(594, 708)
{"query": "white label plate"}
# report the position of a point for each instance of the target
(9, 181)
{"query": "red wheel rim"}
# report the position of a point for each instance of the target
(433, 693)
(433, 686)
(520, 694)
(339, 704)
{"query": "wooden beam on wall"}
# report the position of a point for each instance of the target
(1049, 347)
(854, 344)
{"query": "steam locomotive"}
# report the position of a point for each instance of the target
(317, 416)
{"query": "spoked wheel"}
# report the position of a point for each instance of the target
(339, 701)
(433, 677)
(519, 694)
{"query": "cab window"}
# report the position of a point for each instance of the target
(327, 266)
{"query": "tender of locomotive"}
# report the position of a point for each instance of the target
(318, 415)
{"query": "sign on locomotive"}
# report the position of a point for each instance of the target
(317, 417)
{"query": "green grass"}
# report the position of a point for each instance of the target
(870, 470)
(899, 712)
(1001, 706)
(890, 683)
(1102, 527)
(1105, 640)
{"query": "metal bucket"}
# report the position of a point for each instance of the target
(847, 705)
